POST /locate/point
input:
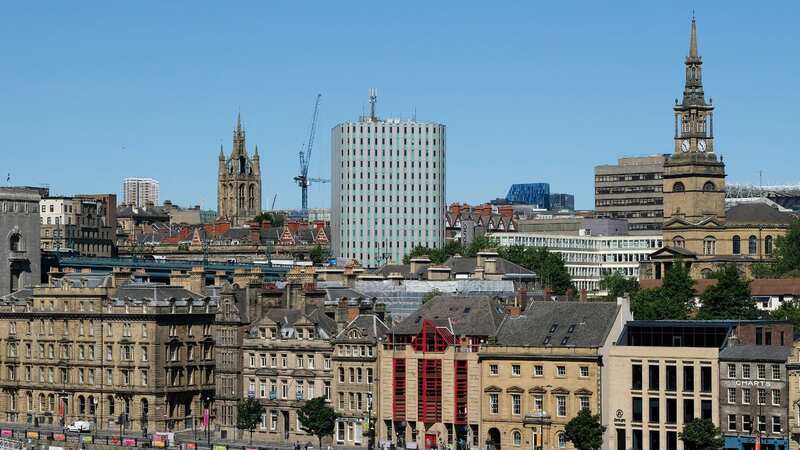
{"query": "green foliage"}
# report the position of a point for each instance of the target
(729, 298)
(317, 418)
(701, 434)
(478, 244)
(672, 301)
(318, 255)
(276, 220)
(451, 248)
(249, 415)
(787, 251)
(549, 266)
(618, 284)
(585, 431)
(790, 311)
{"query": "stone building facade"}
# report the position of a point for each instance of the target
(543, 368)
(631, 190)
(287, 360)
(20, 256)
(77, 223)
(355, 367)
(239, 181)
(697, 227)
(103, 349)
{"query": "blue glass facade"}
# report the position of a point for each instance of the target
(530, 194)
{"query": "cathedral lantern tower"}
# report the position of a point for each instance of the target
(694, 179)
(238, 181)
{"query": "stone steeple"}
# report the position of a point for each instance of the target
(238, 181)
(694, 120)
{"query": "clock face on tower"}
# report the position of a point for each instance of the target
(701, 145)
(685, 146)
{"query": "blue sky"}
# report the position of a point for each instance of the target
(530, 91)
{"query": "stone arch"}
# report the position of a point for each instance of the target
(493, 439)
(678, 187)
(737, 245)
(709, 186)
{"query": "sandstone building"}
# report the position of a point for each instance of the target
(104, 349)
(20, 256)
(238, 181)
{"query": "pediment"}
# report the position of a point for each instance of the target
(492, 388)
(560, 391)
(515, 389)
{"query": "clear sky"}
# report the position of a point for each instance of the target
(91, 92)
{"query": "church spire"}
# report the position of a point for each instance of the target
(221, 153)
(238, 138)
(693, 40)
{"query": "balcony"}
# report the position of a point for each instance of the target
(537, 418)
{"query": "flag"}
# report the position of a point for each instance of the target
(205, 417)
(8, 177)
(758, 442)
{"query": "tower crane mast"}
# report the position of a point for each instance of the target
(302, 179)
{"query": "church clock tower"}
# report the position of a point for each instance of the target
(694, 179)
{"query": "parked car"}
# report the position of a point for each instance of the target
(79, 426)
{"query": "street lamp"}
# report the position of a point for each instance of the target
(370, 425)
(207, 420)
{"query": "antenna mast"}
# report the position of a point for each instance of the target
(373, 98)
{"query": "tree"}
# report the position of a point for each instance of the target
(618, 284)
(275, 219)
(585, 431)
(672, 301)
(249, 412)
(549, 266)
(317, 255)
(701, 434)
(789, 310)
(787, 252)
(729, 298)
(317, 418)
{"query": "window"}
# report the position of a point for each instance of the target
(493, 370)
(653, 415)
(672, 378)
(562, 440)
(561, 405)
(762, 396)
(709, 246)
(637, 409)
(762, 371)
(672, 410)
(621, 443)
(637, 440)
(515, 370)
(705, 409)
(776, 372)
(705, 379)
(731, 422)
(746, 371)
(538, 370)
(731, 370)
(731, 395)
(776, 424)
(516, 438)
(752, 245)
(494, 404)
(678, 187)
(654, 438)
(762, 423)
(678, 241)
(636, 377)
(583, 400)
(538, 402)
(747, 423)
(652, 377)
(584, 372)
(516, 404)
(737, 245)
(746, 396)
(776, 397)
(768, 246)
(708, 186)
(561, 371)
(688, 410)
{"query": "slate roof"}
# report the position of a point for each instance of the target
(775, 286)
(757, 214)
(560, 324)
(468, 316)
(334, 294)
(771, 353)
(290, 316)
(156, 294)
(463, 264)
(372, 326)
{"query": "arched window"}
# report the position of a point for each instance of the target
(29, 400)
(15, 242)
(752, 245)
(678, 241)
(516, 438)
(145, 406)
(92, 405)
(678, 187)
(768, 245)
(81, 405)
(42, 404)
(709, 187)
(562, 440)
(709, 246)
(706, 273)
(737, 245)
(110, 400)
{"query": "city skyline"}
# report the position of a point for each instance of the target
(137, 112)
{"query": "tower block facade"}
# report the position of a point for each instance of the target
(238, 181)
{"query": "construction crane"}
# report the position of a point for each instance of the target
(305, 159)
